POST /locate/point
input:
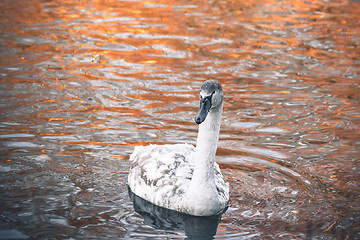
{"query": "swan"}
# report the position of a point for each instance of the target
(181, 177)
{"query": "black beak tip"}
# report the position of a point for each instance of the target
(198, 120)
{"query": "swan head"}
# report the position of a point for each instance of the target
(211, 97)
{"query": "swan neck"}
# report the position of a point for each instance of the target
(207, 141)
(202, 188)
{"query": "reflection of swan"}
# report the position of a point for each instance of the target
(181, 177)
(161, 218)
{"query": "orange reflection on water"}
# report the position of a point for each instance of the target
(83, 82)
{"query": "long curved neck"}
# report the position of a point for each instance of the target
(206, 145)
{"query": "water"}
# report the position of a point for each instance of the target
(83, 82)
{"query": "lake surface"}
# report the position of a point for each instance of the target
(83, 82)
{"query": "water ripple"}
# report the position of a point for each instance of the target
(84, 83)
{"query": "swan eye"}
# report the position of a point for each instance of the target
(207, 97)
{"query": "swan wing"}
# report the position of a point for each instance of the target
(221, 186)
(161, 173)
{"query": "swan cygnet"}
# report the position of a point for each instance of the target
(182, 177)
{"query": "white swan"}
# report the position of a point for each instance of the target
(181, 177)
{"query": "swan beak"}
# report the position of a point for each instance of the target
(205, 105)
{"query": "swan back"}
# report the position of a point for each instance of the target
(161, 173)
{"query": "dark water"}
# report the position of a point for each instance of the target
(83, 82)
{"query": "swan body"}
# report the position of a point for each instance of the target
(181, 177)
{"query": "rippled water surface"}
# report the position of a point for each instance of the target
(83, 82)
